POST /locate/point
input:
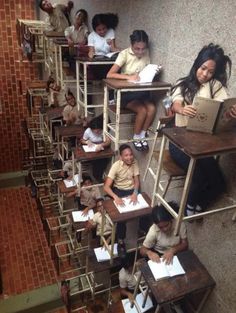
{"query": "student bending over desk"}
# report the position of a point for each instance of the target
(93, 136)
(71, 114)
(130, 62)
(123, 181)
(207, 78)
(160, 239)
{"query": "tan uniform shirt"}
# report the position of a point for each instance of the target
(77, 35)
(97, 219)
(219, 93)
(123, 175)
(129, 63)
(57, 19)
(72, 112)
(126, 279)
(160, 242)
(89, 196)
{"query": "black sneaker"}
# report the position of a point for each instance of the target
(121, 249)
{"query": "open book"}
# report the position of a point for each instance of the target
(139, 299)
(110, 55)
(147, 74)
(103, 255)
(127, 207)
(91, 148)
(79, 217)
(212, 115)
(72, 182)
(162, 270)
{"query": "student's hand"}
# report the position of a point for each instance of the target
(118, 201)
(168, 256)
(70, 42)
(99, 148)
(133, 198)
(89, 143)
(188, 110)
(134, 77)
(70, 5)
(131, 297)
(85, 211)
(233, 111)
(91, 54)
(153, 256)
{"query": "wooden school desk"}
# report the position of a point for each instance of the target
(196, 145)
(196, 280)
(121, 86)
(115, 216)
(83, 90)
(47, 117)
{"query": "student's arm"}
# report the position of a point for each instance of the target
(105, 143)
(107, 188)
(91, 52)
(127, 294)
(233, 111)
(146, 252)
(113, 45)
(188, 110)
(168, 255)
(134, 196)
(113, 73)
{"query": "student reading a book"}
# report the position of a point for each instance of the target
(96, 222)
(123, 181)
(127, 66)
(207, 78)
(160, 240)
(93, 136)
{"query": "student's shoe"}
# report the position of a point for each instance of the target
(198, 210)
(138, 145)
(121, 249)
(145, 145)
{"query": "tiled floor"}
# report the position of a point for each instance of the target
(24, 257)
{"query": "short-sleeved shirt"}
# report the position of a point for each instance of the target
(88, 197)
(97, 219)
(126, 279)
(123, 174)
(68, 167)
(57, 18)
(100, 43)
(160, 242)
(212, 90)
(130, 63)
(60, 96)
(77, 35)
(72, 111)
(90, 135)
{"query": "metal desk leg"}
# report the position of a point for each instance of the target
(56, 64)
(60, 67)
(200, 306)
(183, 201)
(85, 91)
(105, 113)
(113, 235)
(136, 289)
(117, 134)
(77, 85)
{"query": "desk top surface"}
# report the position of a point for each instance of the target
(169, 289)
(81, 155)
(60, 41)
(124, 84)
(116, 216)
(95, 60)
(53, 113)
(53, 34)
(63, 188)
(198, 144)
(40, 84)
(69, 131)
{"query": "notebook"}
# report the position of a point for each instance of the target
(162, 270)
(212, 115)
(147, 74)
(103, 255)
(72, 182)
(91, 148)
(79, 217)
(139, 299)
(129, 207)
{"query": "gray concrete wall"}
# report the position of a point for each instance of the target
(178, 30)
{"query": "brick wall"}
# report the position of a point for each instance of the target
(13, 106)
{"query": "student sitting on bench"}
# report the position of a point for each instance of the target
(71, 114)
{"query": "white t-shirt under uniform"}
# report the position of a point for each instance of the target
(91, 136)
(100, 43)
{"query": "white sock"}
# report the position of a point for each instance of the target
(137, 136)
(190, 210)
(142, 134)
(198, 209)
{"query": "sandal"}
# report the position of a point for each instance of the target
(138, 145)
(144, 144)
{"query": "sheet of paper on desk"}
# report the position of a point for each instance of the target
(103, 255)
(161, 270)
(147, 74)
(128, 207)
(72, 182)
(91, 148)
(139, 299)
(79, 217)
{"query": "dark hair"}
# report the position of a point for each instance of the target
(41, 4)
(69, 93)
(138, 36)
(97, 122)
(109, 19)
(124, 147)
(99, 200)
(190, 85)
(50, 81)
(160, 214)
(86, 177)
(85, 13)
(127, 260)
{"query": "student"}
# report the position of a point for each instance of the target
(96, 222)
(56, 94)
(102, 40)
(58, 15)
(71, 114)
(207, 78)
(127, 280)
(123, 181)
(127, 66)
(160, 240)
(94, 135)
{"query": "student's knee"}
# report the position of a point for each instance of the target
(150, 108)
(142, 110)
